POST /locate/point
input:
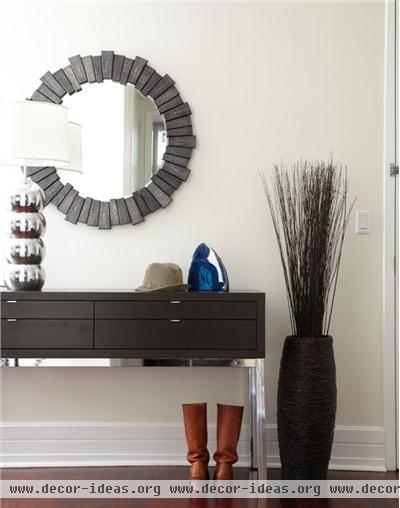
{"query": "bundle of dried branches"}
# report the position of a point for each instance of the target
(310, 215)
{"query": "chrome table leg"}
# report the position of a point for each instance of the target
(258, 421)
(253, 417)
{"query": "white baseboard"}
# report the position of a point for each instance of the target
(66, 444)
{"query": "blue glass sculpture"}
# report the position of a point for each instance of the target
(207, 271)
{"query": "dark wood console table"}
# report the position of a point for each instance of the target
(113, 328)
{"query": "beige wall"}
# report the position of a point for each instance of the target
(265, 82)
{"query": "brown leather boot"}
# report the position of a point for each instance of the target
(195, 420)
(229, 422)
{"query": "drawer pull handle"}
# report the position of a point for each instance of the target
(11, 320)
(11, 301)
(175, 320)
(175, 301)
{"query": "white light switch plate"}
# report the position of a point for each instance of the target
(363, 222)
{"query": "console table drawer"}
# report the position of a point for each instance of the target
(44, 309)
(166, 334)
(175, 309)
(47, 333)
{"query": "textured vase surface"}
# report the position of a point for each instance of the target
(207, 271)
(306, 407)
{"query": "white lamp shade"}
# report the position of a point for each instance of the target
(33, 134)
(75, 147)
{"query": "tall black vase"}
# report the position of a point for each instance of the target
(306, 407)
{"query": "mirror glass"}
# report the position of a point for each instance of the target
(123, 140)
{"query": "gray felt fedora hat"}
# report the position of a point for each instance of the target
(163, 277)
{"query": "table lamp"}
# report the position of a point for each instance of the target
(32, 134)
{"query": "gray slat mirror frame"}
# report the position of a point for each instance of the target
(181, 141)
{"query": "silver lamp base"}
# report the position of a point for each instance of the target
(25, 249)
(24, 277)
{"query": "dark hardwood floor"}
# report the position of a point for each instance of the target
(175, 473)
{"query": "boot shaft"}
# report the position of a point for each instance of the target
(229, 422)
(195, 421)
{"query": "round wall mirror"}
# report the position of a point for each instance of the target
(137, 139)
(124, 139)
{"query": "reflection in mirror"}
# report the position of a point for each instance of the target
(123, 139)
